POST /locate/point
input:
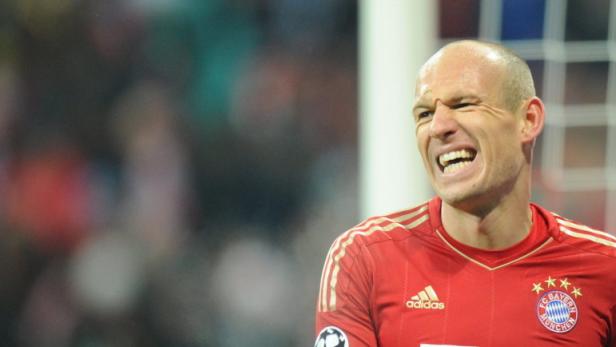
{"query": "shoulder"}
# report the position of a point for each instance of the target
(583, 237)
(347, 251)
(390, 227)
(393, 226)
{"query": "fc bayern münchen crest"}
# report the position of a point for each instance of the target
(557, 311)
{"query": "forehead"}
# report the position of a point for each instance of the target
(456, 70)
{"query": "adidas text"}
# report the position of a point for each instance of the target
(428, 305)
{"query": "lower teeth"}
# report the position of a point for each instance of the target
(456, 166)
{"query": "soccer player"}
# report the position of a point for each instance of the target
(478, 265)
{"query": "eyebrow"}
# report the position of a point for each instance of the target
(453, 100)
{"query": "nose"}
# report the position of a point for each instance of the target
(443, 124)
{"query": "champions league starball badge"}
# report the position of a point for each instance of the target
(557, 311)
(331, 336)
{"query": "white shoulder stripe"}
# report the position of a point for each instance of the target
(588, 237)
(367, 224)
(324, 275)
(327, 268)
(338, 251)
(417, 221)
(410, 215)
(585, 228)
(342, 253)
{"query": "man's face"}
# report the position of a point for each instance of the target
(469, 140)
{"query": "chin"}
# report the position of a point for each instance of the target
(453, 193)
(454, 199)
(467, 200)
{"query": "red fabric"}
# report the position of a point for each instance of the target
(476, 298)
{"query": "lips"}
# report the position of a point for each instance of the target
(452, 161)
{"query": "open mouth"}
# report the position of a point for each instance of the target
(453, 161)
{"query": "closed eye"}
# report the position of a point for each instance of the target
(461, 105)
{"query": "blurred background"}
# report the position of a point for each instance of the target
(172, 172)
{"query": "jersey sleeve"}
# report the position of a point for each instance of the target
(343, 307)
(612, 335)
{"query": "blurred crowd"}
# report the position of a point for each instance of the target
(172, 172)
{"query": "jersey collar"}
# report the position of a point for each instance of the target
(544, 229)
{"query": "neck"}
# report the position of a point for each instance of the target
(492, 228)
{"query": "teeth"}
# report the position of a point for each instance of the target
(444, 159)
(455, 167)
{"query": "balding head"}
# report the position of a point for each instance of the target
(497, 61)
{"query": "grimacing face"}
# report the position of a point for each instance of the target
(469, 141)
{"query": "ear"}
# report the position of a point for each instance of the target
(532, 121)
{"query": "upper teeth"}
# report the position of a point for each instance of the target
(446, 158)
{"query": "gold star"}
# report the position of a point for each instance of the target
(537, 287)
(565, 284)
(577, 292)
(551, 282)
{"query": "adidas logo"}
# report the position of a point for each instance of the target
(426, 299)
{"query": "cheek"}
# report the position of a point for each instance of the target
(505, 151)
(423, 143)
(422, 139)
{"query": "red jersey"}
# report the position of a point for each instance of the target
(400, 280)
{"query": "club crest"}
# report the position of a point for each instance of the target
(556, 308)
